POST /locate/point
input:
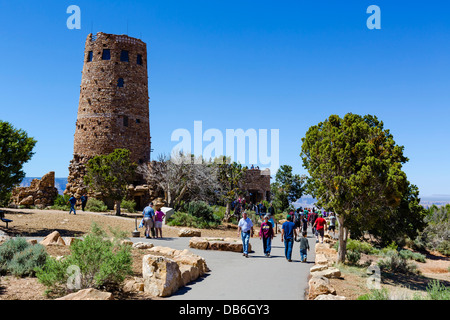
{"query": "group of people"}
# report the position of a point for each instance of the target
(293, 230)
(152, 221)
(73, 201)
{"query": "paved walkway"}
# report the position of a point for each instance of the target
(234, 277)
(257, 277)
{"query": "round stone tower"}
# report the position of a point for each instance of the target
(113, 110)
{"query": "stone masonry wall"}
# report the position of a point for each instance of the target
(113, 109)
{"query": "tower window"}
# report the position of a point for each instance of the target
(139, 59)
(120, 82)
(106, 55)
(125, 121)
(138, 120)
(124, 56)
(89, 56)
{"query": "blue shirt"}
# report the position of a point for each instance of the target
(245, 224)
(72, 200)
(148, 212)
(288, 228)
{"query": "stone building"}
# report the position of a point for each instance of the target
(113, 109)
(257, 185)
(41, 193)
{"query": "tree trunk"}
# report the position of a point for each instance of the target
(227, 212)
(117, 206)
(342, 240)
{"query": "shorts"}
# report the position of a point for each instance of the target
(332, 228)
(158, 224)
(320, 232)
(148, 222)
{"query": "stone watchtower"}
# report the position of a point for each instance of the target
(113, 110)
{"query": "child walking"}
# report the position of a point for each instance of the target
(304, 247)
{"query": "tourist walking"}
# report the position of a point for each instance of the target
(266, 235)
(320, 225)
(149, 220)
(332, 223)
(84, 200)
(304, 247)
(159, 216)
(245, 230)
(72, 201)
(288, 234)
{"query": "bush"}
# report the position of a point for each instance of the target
(20, 258)
(395, 263)
(353, 257)
(129, 205)
(200, 209)
(438, 291)
(99, 261)
(375, 294)
(407, 254)
(60, 203)
(96, 205)
(187, 220)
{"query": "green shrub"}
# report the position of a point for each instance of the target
(101, 262)
(375, 294)
(352, 257)
(129, 205)
(407, 254)
(395, 263)
(201, 209)
(360, 246)
(20, 258)
(187, 220)
(60, 203)
(438, 291)
(96, 205)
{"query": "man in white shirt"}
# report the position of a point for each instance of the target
(245, 230)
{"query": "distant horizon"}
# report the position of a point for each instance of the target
(437, 197)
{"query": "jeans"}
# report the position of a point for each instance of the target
(72, 208)
(288, 244)
(302, 254)
(245, 239)
(267, 245)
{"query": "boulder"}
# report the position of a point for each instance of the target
(321, 259)
(198, 243)
(53, 238)
(134, 285)
(318, 267)
(329, 273)
(143, 245)
(88, 294)
(27, 201)
(189, 233)
(162, 276)
(70, 240)
(319, 285)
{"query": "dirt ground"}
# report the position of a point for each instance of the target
(39, 223)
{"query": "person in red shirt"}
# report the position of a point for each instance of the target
(320, 225)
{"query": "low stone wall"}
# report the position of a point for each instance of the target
(220, 244)
(320, 287)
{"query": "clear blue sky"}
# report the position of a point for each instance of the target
(282, 65)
